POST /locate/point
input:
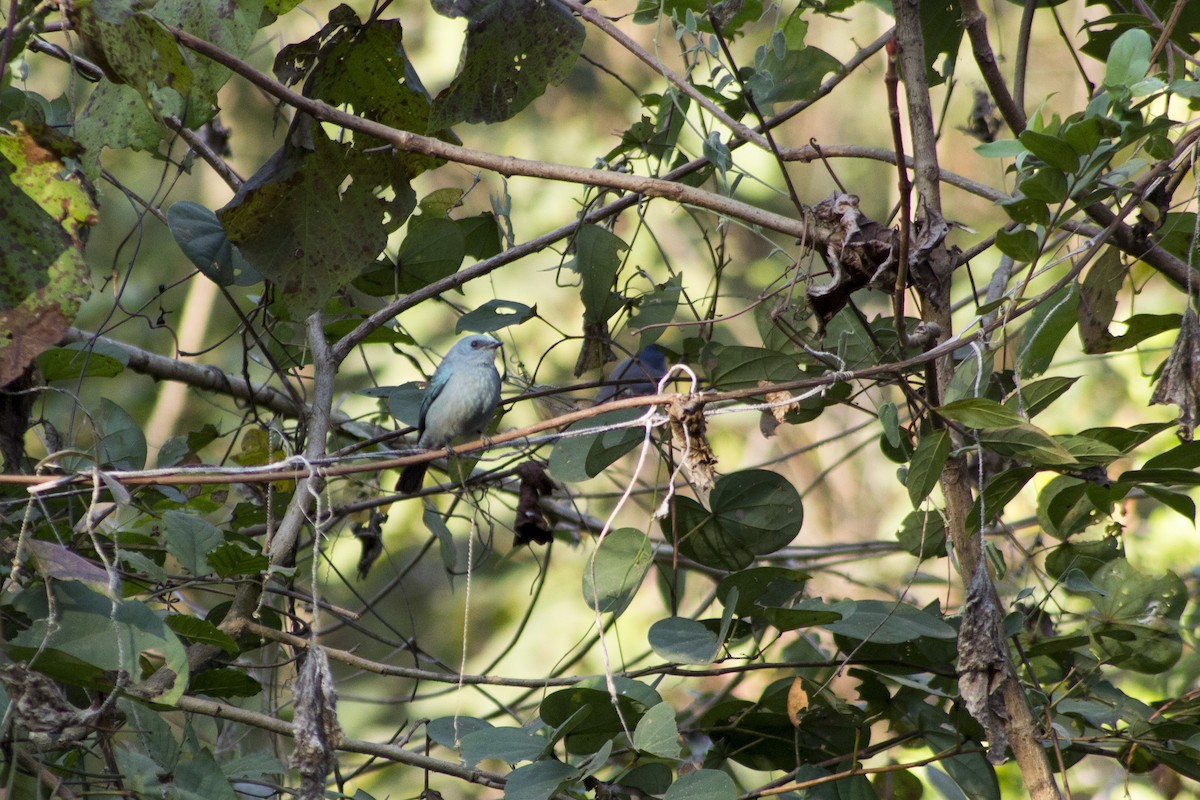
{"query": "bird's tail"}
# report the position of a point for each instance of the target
(411, 478)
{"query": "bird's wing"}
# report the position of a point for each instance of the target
(436, 384)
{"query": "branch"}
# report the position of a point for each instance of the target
(740, 130)
(212, 708)
(208, 378)
(976, 24)
(504, 165)
(282, 547)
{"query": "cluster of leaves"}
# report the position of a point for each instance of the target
(159, 598)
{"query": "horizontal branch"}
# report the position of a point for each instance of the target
(390, 752)
(508, 166)
(199, 376)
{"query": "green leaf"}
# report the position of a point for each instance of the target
(1064, 507)
(200, 778)
(121, 444)
(1182, 456)
(997, 494)
(90, 638)
(433, 249)
(1022, 245)
(1026, 211)
(1001, 148)
(804, 614)
(509, 745)
(117, 117)
(199, 630)
(923, 533)
(980, 412)
(683, 641)
(575, 459)
(231, 28)
(494, 315)
(139, 773)
(702, 784)
(597, 260)
(202, 238)
(446, 544)
(1047, 326)
(753, 513)
(296, 226)
(926, 467)
(190, 539)
(612, 577)
(889, 418)
(1098, 300)
(657, 734)
(1047, 185)
(73, 362)
(449, 731)
(972, 376)
(514, 49)
(154, 734)
(236, 558)
(1138, 626)
(796, 75)
(134, 48)
(43, 274)
(735, 367)
(1051, 149)
(970, 772)
(1084, 556)
(1128, 59)
(225, 682)
(589, 709)
(540, 780)
(883, 622)
(656, 309)
(1176, 501)
(1027, 443)
(760, 587)
(481, 235)
(1034, 397)
(649, 11)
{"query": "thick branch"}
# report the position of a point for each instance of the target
(209, 378)
(282, 548)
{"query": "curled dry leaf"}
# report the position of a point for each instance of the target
(982, 667)
(317, 732)
(530, 524)
(688, 435)
(40, 708)
(1179, 383)
(797, 701)
(370, 536)
(774, 416)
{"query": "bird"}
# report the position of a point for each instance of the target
(460, 401)
(635, 376)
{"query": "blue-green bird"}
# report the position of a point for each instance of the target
(460, 401)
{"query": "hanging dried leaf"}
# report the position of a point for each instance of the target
(797, 701)
(370, 536)
(40, 708)
(1179, 383)
(688, 435)
(982, 667)
(317, 731)
(530, 524)
(774, 416)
